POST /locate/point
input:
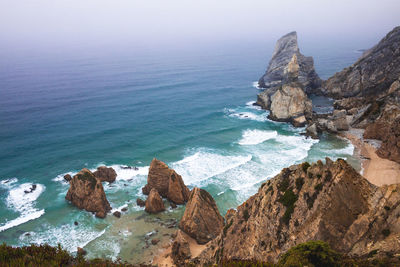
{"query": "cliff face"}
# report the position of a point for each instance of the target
(329, 202)
(285, 48)
(372, 74)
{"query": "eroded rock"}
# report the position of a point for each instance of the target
(86, 192)
(105, 174)
(154, 203)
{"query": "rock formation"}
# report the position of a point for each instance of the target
(390, 147)
(167, 182)
(154, 203)
(180, 251)
(86, 192)
(105, 174)
(201, 220)
(329, 202)
(372, 74)
(275, 75)
(288, 102)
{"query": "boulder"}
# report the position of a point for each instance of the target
(201, 220)
(275, 76)
(167, 182)
(312, 131)
(105, 174)
(140, 202)
(81, 251)
(180, 252)
(154, 203)
(86, 192)
(117, 214)
(290, 102)
(67, 178)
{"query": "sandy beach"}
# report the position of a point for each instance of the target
(376, 170)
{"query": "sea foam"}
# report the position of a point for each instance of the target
(21, 202)
(254, 137)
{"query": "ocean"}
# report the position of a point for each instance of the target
(61, 111)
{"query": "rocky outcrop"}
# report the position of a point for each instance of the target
(290, 103)
(86, 192)
(275, 75)
(105, 174)
(372, 74)
(390, 147)
(329, 202)
(201, 220)
(167, 182)
(154, 203)
(180, 251)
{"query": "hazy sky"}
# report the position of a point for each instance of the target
(47, 22)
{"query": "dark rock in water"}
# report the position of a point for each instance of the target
(67, 177)
(275, 76)
(124, 209)
(81, 251)
(154, 203)
(33, 188)
(173, 205)
(86, 192)
(117, 214)
(27, 234)
(372, 74)
(155, 241)
(76, 223)
(105, 174)
(140, 202)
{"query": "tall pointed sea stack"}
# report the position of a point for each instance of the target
(285, 48)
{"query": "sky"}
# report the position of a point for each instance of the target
(186, 22)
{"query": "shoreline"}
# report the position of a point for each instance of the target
(376, 170)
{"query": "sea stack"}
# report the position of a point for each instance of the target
(166, 182)
(201, 220)
(86, 192)
(285, 48)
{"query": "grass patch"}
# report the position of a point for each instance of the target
(305, 166)
(288, 200)
(299, 183)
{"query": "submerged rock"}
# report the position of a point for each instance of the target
(331, 202)
(105, 174)
(86, 192)
(201, 220)
(140, 202)
(275, 75)
(154, 203)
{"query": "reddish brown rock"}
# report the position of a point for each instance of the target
(390, 147)
(154, 203)
(331, 202)
(105, 174)
(177, 190)
(167, 182)
(86, 192)
(67, 177)
(180, 252)
(201, 220)
(140, 202)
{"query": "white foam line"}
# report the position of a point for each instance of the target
(254, 137)
(22, 219)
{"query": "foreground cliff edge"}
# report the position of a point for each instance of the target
(331, 202)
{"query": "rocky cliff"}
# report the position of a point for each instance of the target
(329, 202)
(372, 74)
(275, 75)
(86, 192)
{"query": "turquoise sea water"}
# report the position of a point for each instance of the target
(62, 111)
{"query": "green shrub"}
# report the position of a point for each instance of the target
(226, 227)
(386, 232)
(318, 187)
(305, 166)
(288, 200)
(311, 253)
(299, 183)
(387, 208)
(246, 215)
